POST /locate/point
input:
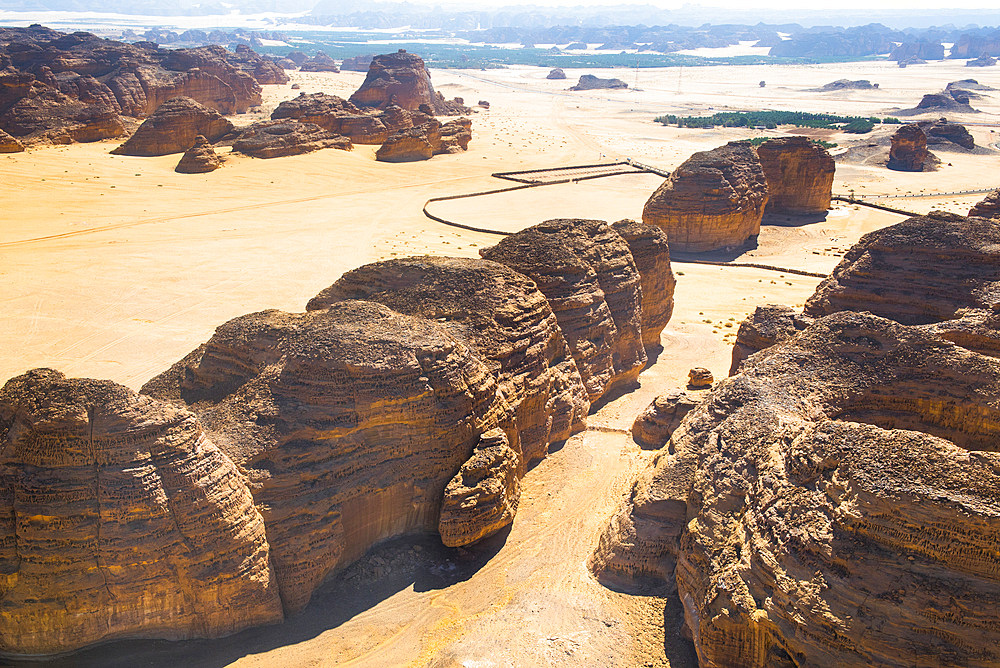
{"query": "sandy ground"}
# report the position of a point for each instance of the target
(115, 267)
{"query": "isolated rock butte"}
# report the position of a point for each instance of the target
(590, 82)
(320, 63)
(396, 78)
(482, 497)
(943, 132)
(714, 200)
(423, 141)
(922, 270)
(799, 175)
(936, 101)
(586, 271)
(501, 315)
(908, 151)
(651, 254)
(349, 422)
(275, 139)
(767, 325)
(653, 427)
(120, 519)
(556, 73)
(8, 144)
(199, 159)
(174, 127)
(989, 207)
(841, 470)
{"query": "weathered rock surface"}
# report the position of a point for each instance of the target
(943, 102)
(174, 127)
(199, 159)
(396, 78)
(908, 151)
(275, 139)
(989, 207)
(714, 200)
(556, 73)
(767, 325)
(349, 422)
(482, 497)
(48, 116)
(653, 427)
(320, 63)
(120, 519)
(651, 254)
(8, 144)
(264, 71)
(501, 315)
(799, 175)
(341, 117)
(833, 504)
(922, 270)
(426, 140)
(590, 82)
(586, 271)
(942, 132)
(700, 377)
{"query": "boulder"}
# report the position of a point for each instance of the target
(989, 207)
(556, 73)
(396, 78)
(700, 377)
(925, 269)
(590, 82)
(651, 254)
(585, 269)
(767, 325)
(799, 175)
(652, 429)
(834, 503)
(275, 139)
(482, 497)
(174, 127)
(320, 63)
(714, 200)
(908, 151)
(121, 519)
(348, 421)
(502, 316)
(484, 104)
(199, 159)
(8, 144)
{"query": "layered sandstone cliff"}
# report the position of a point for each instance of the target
(908, 151)
(275, 139)
(799, 175)
(714, 200)
(651, 253)
(396, 78)
(120, 519)
(173, 128)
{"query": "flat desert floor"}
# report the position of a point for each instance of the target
(115, 267)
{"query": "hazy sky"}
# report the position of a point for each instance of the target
(827, 5)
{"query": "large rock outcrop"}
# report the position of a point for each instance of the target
(556, 73)
(767, 325)
(426, 140)
(8, 144)
(320, 63)
(120, 519)
(651, 254)
(349, 422)
(989, 207)
(925, 269)
(48, 116)
(396, 78)
(341, 117)
(834, 504)
(586, 271)
(908, 151)
(590, 82)
(482, 497)
(799, 175)
(654, 426)
(275, 139)
(942, 132)
(501, 315)
(264, 71)
(174, 127)
(714, 200)
(199, 159)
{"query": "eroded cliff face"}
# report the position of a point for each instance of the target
(349, 422)
(174, 127)
(120, 518)
(714, 200)
(799, 175)
(651, 253)
(767, 325)
(835, 503)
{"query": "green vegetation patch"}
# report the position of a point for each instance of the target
(772, 119)
(757, 141)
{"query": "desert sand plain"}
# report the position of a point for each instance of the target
(115, 267)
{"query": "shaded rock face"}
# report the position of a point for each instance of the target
(652, 429)
(556, 73)
(943, 132)
(942, 101)
(320, 63)
(989, 207)
(908, 151)
(275, 139)
(426, 140)
(714, 200)
(799, 175)
(590, 82)
(8, 144)
(971, 45)
(349, 422)
(396, 78)
(482, 497)
(769, 324)
(841, 470)
(918, 50)
(585, 269)
(501, 315)
(199, 159)
(48, 116)
(651, 254)
(925, 269)
(174, 127)
(120, 518)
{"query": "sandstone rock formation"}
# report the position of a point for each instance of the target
(847, 84)
(349, 422)
(121, 519)
(8, 144)
(501, 315)
(287, 64)
(982, 61)
(357, 63)
(989, 207)
(586, 271)
(590, 82)
(653, 427)
(428, 139)
(833, 504)
(943, 102)
(714, 200)
(320, 63)
(556, 73)
(799, 175)
(908, 151)
(482, 497)
(342, 117)
(767, 325)
(264, 71)
(651, 254)
(942, 132)
(274, 139)
(48, 116)
(174, 127)
(396, 78)
(925, 269)
(700, 377)
(199, 159)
